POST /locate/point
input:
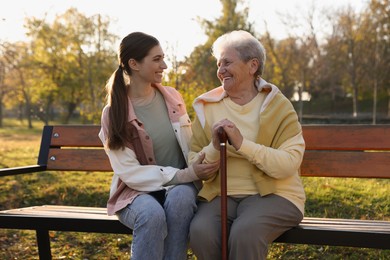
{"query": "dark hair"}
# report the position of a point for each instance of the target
(135, 46)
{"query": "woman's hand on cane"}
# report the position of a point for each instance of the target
(233, 134)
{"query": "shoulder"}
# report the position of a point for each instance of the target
(105, 112)
(170, 94)
(170, 90)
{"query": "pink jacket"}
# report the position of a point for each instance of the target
(135, 169)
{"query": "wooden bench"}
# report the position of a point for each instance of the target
(347, 151)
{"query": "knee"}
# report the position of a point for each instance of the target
(204, 231)
(247, 234)
(196, 230)
(152, 218)
(182, 198)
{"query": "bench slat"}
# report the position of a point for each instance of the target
(76, 135)
(62, 212)
(337, 221)
(78, 160)
(347, 137)
(62, 218)
(333, 164)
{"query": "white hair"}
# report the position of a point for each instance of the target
(247, 46)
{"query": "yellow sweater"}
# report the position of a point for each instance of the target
(269, 158)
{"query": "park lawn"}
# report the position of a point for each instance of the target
(327, 197)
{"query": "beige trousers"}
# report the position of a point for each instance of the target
(253, 223)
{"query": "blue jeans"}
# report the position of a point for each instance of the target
(161, 232)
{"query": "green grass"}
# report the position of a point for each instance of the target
(327, 197)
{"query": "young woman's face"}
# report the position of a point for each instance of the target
(153, 65)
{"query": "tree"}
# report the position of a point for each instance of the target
(200, 65)
(72, 56)
(377, 38)
(353, 45)
(17, 81)
(361, 44)
(281, 67)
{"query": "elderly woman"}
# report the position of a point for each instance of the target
(266, 147)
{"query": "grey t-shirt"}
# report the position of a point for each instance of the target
(155, 118)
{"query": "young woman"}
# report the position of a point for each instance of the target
(146, 131)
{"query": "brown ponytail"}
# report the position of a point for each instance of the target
(134, 46)
(118, 113)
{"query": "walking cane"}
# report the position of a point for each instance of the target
(222, 142)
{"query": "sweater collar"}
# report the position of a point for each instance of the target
(219, 93)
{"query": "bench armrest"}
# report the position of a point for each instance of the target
(22, 169)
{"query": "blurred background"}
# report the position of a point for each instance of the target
(331, 59)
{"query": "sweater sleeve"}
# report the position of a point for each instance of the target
(129, 170)
(139, 177)
(184, 176)
(200, 142)
(278, 163)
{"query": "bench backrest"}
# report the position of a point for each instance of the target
(361, 151)
(331, 150)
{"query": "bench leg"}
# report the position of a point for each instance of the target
(43, 240)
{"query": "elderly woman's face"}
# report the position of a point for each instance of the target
(233, 72)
